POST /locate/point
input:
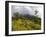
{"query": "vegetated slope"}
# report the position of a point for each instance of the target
(25, 22)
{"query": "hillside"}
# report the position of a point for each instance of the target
(25, 22)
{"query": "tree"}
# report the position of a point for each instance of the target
(16, 14)
(36, 12)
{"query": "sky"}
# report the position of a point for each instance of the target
(26, 10)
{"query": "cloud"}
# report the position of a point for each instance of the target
(26, 10)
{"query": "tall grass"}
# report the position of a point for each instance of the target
(23, 22)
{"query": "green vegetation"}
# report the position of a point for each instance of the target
(25, 22)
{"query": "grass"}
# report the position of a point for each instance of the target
(20, 24)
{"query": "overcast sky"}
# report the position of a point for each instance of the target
(26, 10)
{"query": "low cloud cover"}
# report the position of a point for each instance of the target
(26, 10)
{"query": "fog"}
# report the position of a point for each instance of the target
(26, 10)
